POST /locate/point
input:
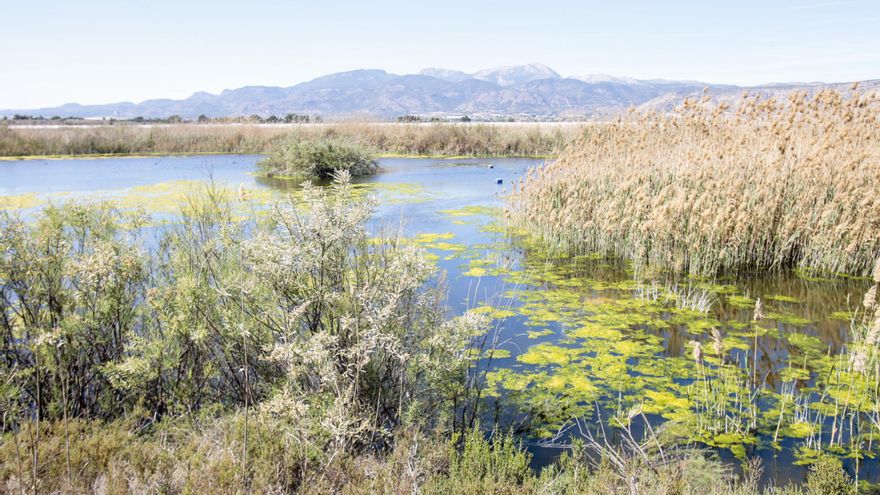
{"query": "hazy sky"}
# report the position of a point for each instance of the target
(91, 51)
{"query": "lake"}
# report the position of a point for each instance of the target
(574, 337)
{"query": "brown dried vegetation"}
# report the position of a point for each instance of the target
(409, 139)
(766, 185)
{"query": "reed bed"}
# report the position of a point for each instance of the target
(441, 139)
(764, 185)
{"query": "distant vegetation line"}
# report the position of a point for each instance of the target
(441, 139)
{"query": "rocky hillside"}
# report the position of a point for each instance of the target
(532, 91)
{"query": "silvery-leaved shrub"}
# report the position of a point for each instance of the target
(361, 335)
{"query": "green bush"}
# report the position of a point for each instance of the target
(319, 159)
(302, 338)
(827, 477)
(483, 466)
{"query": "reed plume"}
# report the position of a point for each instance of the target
(870, 298)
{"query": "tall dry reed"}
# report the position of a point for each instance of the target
(764, 185)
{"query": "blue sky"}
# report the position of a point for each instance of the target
(91, 51)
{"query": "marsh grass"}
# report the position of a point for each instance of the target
(200, 456)
(392, 139)
(765, 185)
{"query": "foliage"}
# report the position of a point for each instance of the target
(319, 159)
(828, 478)
(69, 288)
(484, 466)
(296, 326)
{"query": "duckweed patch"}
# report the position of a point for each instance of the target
(161, 198)
(471, 211)
(537, 334)
(841, 315)
(494, 312)
(429, 238)
(597, 337)
(475, 271)
(393, 193)
(782, 298)
(741, 301)
(544, 353)
(789, 318)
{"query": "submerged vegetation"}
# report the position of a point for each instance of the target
(441, 139)
(709, 192)
(764, 186)
(294, 158)
(697, 363)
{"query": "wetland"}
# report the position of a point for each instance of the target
(569, 343)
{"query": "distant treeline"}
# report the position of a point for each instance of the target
(290, 118)
(418, 119)
(439, 139)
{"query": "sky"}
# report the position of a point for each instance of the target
(90, 51)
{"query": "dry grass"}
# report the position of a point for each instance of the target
(766, 185)
(201, 456)
(447, 139)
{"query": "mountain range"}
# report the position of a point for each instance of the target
(532, 91)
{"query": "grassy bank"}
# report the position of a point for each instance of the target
(447, 139)
(204, 455)
(767, 185)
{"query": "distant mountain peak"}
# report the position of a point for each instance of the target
(505, 75)
(532, 91)
(606, 78)
(448, 75)
(511, 75)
